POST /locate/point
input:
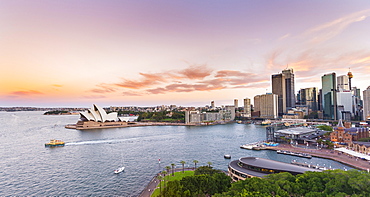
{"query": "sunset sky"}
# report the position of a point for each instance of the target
(74, 53)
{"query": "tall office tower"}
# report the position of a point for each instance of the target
(342, 83)
(366, 109)
(344, 103)
(309, 97)
(247, 107)
(267, 105)
(283, 86)
(357, 103)
(212, 104)
(319, 101)
(329, 96)
(278, 88)
(236, 103)
(289, 85)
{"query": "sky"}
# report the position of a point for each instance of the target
(75, 53)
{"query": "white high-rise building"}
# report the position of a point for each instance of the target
(344, 103)
(342, 82)
(236, 103)
(247, 107)
(366, 109)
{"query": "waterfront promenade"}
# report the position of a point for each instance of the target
(153, 184)
(327, 154)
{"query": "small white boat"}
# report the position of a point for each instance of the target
(119, 170)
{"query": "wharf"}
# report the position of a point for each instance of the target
(307, 165)
(327, 154)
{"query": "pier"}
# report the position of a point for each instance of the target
(327, 154)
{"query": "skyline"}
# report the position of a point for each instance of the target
(124, 53)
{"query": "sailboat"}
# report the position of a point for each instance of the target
(120, 169)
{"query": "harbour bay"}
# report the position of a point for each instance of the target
(84, 166)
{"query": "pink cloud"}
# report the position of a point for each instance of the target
(147, 81)
(26, 93)
(198, 78)
(196, 72)
(131, 93)
(103, 88)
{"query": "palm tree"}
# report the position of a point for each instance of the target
(183, 163)
(173, 166)
(195, 163)
(164, 177)
(168, 169)
(209, 164)
(160, 178)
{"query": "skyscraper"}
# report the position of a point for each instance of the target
(366, 110)
(309, 97)
(283, 86)
(343, 83)
(289, 85)
(329, 96)
(278, 88)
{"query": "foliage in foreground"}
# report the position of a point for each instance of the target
(206, 181)
(310, 184)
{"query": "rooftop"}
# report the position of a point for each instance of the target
(296, 131)
(276, 165)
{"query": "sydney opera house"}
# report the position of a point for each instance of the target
(97, 117)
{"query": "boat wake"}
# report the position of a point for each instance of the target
(112, 141)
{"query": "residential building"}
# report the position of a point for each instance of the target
(247, 107)
(229, 112)
(267, 105)
(236, 103)
(366, 100)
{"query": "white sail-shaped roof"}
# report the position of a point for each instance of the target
(98, 114)
(87, 115)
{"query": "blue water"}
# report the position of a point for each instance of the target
(84, 167)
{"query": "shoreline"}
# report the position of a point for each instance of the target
(136, 124)
(327, 154)
(74, 126)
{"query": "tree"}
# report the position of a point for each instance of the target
(164, 177)
(209, 164)
(183, 163)
(206, 170)
(195, 163)
(173, 167)
(160, 178)
(168, 169)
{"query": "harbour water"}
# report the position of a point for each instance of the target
(85, 165)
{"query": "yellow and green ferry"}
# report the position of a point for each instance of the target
(54, 143)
